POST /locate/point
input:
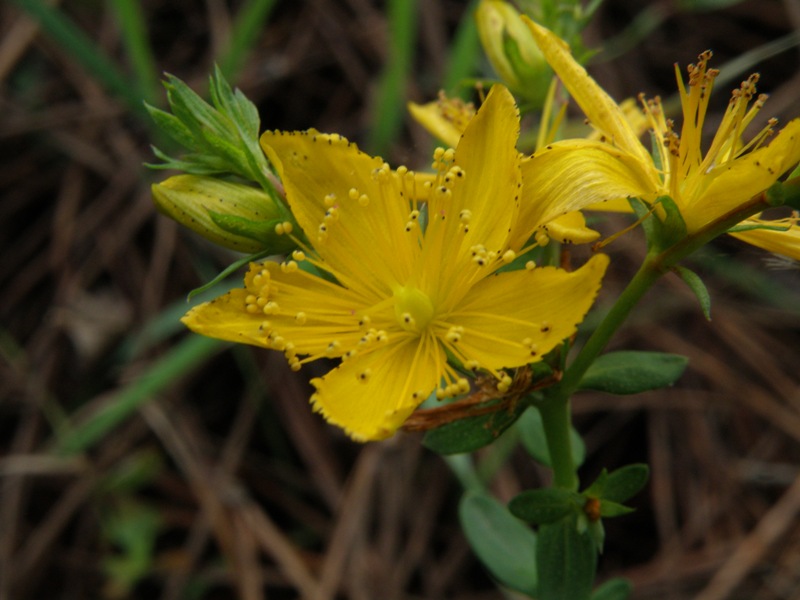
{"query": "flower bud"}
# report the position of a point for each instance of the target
(233, 215)
(511, 49)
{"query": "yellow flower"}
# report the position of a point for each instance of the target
(394, 288)
(704, 186)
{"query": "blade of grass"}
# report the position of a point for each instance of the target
(465, 53)
(247, 26)
(189, 354)
(390, 100)
(130, 20)
(74, 41)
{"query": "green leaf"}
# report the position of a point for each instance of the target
(613, 509)
(632, 372)
(545, 505)
(505, 545)
(533, 438)
(470, 433)
(613, 589)
(697, 286)
(625, 482)
(227, 271)
(566, 561)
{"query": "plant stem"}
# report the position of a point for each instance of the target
(557, 421)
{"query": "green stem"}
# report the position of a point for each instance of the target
(557, 421)
(556, 415)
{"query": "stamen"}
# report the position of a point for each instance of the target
(289, 267)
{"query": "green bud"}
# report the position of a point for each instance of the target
(511, 49)
(233, 215)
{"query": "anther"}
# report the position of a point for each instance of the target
(289, 267)
(301, 318)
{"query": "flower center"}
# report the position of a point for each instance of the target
(413, 309)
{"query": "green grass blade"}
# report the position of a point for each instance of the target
(131, 22)
(391, 96)
(465, 53)
(187, 355)
(248, 25)
(74, 41)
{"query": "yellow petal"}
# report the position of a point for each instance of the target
(440, 123)
(730, 185)
(488, 155)
(572, 174)
(571, 229)
(225, 318)
(480, 206)
(516, 317)
(304, 310)
(601, 110)
(620, 205)
(369, 396)
(785, 243)
(352, 215)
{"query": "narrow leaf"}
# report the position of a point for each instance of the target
(566, 561)
(611, 509)
(505, 545)
(471, 433)
(632, 372)
(697, 286)
(625, 482)
(613, 589)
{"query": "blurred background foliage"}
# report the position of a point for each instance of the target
(138, 461)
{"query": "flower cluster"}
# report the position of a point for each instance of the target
(414, 283)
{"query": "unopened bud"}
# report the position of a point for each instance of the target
(511, 49)
(233, 215)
